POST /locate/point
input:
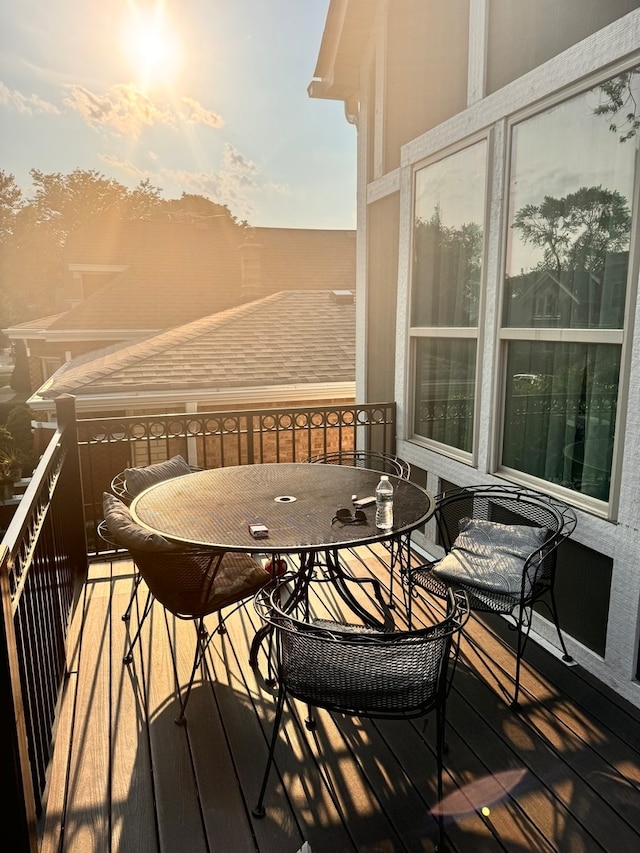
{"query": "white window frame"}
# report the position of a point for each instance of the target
(618, 337)
(599, 57)
(450, 332)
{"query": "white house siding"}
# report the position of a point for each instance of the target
(613, 531)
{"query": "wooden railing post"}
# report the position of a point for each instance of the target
(75, 527)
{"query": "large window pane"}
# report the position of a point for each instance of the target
(444, 392)
(570, 206)
(447, 239)
(560, 413)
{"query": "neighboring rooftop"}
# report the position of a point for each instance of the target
(165, 273)
(291, 338)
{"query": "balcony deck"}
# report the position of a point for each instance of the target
(563, 774)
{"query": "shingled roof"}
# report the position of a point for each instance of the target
(177, 272)
(291, 338)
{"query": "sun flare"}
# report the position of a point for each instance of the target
(151, 45)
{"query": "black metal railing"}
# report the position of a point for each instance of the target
(46, 547)
(43, 553)
(219, 439)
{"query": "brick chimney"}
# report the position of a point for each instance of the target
(251, 267)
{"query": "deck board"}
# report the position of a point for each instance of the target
(563, 774)
(131, 791)
(87, 824)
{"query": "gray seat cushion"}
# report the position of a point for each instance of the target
(139, 479)
(490, 556)
(127, 532)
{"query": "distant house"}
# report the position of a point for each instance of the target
(498, 267)
(290, 348)
(577, 297)
(126, 280)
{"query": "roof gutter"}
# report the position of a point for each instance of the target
(346, 35)
(16, 333)
(204, 399)
(345, 39)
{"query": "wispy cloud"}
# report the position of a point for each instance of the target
(233, 159)
(126, 109)
(126, 167)
(194, 113)
(236, 184)
(26, 104)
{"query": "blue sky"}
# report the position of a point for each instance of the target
(201, 96)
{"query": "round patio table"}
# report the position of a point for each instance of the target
(297, 502)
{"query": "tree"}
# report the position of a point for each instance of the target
(19, 426)
(33, 233)
(68, 201)
(190, 206)
(20, 379)
(448, 261)
(10, 203)
(578, 230)
(620, 106)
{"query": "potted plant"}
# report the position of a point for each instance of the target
(11, 461)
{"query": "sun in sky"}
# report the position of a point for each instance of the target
(151, 44)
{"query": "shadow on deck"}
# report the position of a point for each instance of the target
(563, 774)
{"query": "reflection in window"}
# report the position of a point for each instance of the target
(561, 412)
(571, 187)
(444, 392)
(447, 239)
(570, 214)
(447, 265)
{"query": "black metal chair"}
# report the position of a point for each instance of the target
(361, 671)
(130, 482)
(500, 546)
(190, 583)
(386, 463)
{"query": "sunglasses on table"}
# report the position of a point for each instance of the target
(345, 516)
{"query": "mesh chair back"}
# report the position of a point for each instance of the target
(356, 670)
(121, 484)
(386, 463)
(508, 505)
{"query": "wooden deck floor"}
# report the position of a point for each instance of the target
(563, 774)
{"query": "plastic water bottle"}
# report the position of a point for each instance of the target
(384, 503)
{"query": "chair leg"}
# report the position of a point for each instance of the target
(400, 556)
(128, 658)
(202, 642)
(258, 810)
(310, 723)
(136, 583)
(554, 612)
(395, 555)
(523, 636)
(409, 602)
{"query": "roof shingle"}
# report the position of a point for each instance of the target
(289, 338)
